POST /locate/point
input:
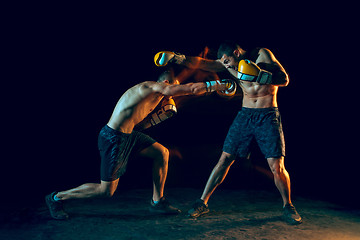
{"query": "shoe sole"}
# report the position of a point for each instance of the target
(292, 221)
(199, 214)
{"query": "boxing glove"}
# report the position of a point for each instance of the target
(167, 110)
(249, 71)
(230, 89)
(224, 87)
(162, 58)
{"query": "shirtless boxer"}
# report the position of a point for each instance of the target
(259, 75)
(118, 141)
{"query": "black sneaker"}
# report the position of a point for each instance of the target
(291, 216)
(199, 208)
(56, 207)
(163, 207)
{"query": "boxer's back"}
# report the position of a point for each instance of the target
(133, 106)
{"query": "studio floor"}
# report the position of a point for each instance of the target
(234, 214)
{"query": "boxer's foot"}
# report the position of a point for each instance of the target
(291, 216)
(199, 208)
(55, 207)
(163, 207)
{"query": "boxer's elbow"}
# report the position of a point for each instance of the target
(281, 79)
(286, 81)
(169, 90)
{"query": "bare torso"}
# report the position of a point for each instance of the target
(258, 96)
(255, 95)
(133, 106)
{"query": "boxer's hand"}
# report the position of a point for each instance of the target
(217, 85)
(166, 110)
(249, 71)
(162, 58)
(230, 88)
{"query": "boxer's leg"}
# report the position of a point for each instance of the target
(282, 182)
(54, 201)
(281, 178)
(90, 190)
(160, 156)
(217, 176)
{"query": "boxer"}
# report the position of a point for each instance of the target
(118, 141)
(259, 74)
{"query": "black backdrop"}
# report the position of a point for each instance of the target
(66, 67)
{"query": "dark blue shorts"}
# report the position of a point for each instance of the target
(115, 149)
(263, 125)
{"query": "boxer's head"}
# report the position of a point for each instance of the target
(230, 54)
(168, 76)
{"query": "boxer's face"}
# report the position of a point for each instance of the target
(229, 62)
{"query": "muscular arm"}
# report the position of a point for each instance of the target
(268, 62)
(203, 64)
(180, 90)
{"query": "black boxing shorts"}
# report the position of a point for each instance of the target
(115, 149)
(263, 125)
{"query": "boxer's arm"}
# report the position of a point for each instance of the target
(203, 64)
(226, 85)
(162, 58)
(180, 90)
(268, 62)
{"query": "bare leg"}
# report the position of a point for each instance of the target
(281, 178)
(217, 175)
(160, 155)
(90, 190)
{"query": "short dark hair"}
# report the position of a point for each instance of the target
(167, 75)
(228, 48)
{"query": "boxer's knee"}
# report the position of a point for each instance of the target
(226, 159)
(164, 155)
(276, 165)
(157, 152)
(160, 154)
(107, 189)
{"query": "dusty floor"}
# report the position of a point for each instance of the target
(235, 214)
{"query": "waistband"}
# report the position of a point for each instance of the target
(108, 129)
(259, 109)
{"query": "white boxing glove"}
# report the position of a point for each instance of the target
(167, 110)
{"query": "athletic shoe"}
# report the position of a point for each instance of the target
(291, 216)
(163, 207)
(199, 208)
(56, 207)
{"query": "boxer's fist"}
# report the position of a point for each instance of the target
(166, 110)
(162, 58)
(249, 71)
(230, 88)
(225, 87)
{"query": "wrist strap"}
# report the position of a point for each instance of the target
(211, 85)
(264, 77)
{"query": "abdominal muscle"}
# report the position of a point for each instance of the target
(258, 96)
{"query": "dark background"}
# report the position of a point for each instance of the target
(66, 66)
